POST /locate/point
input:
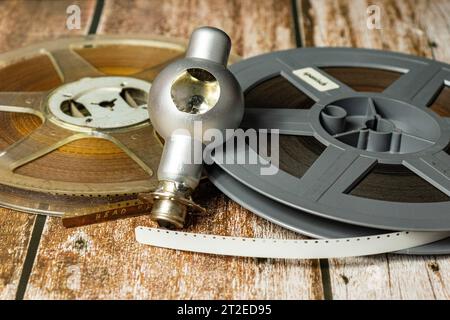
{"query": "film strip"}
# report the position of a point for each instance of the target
(285, 249)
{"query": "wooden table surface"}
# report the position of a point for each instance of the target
(39, 259)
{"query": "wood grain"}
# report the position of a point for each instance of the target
(254, 27)
(15, 232)
(415, 27)
(22, 23)
(438, 32)
(104, 261)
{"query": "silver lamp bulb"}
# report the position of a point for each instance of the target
(198, 89)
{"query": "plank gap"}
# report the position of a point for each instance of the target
(33, 247)
(296, 17)
(326, 279)
(98, 11)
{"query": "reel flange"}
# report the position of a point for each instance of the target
(357, 129)
(75, 126)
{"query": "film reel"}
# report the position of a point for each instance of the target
(67, 107)
(369, 185)
(74, 126)
(303, 222)
(353, 130)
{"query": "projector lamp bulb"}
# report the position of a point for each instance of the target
(196, 91)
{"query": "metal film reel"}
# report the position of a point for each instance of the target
(74, 126)
(364, 135)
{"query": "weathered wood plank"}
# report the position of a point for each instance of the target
(438, 32)
(253, 27)
(104, 261)
(415, 27)
(23, 23)
(390, 277)
(344, 23)
(15, 232)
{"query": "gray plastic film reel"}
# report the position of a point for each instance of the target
(358, 130)
(302, 222)
(389, 131)
(406, 133)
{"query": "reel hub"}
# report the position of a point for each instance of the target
(74, 131)
(364, 136)
(387, 129)
(100, 103)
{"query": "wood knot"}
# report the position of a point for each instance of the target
(434, 266)
(80, 244)
(344, 278)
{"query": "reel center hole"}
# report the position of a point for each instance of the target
(107, 104)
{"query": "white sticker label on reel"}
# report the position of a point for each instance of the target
(285, 249)
(315, 79)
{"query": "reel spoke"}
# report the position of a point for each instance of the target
(432, 88)
(45, 139)
(314, 82)
(418, 86)
(138, 145)
(150, 73)
(348, 135)
(75, 108)
(418, 141)
(22, 102)
(288, 121)
(70, 66)
(434, 168)
(334, 172)
(373, 122)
